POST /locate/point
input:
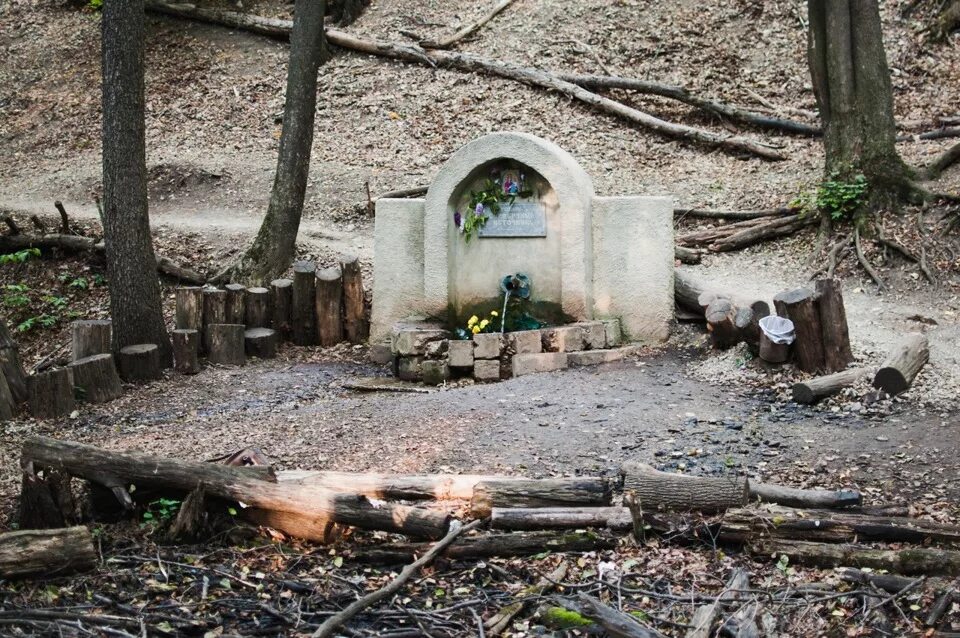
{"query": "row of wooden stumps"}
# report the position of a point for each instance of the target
(317, 307)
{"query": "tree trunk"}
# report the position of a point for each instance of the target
(304, 307)
(281, 300)
(534, 518)
(189, 314)
(96, 379)
(800, 307)
(140, 362)
(833, 323)
(274, 247)
(652, 490)
(329, 300)
(907, 561)
(51, 394)
(306, 510)
(90, 337)
(812, 390)
(186, 349)
(355, 323)
(538, 493)
(851, 82)
(10, 365)
(902, 365)
(258, 308)
(131, 263)
(46, 553)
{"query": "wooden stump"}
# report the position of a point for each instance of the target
(833, 323)
(236, 303)
(356, 327)
(140, 362)
(46, 499)
(303, 317)
(96, 379)
(226, 344)
(258, 308)
(186, 348)
(11, 367)
(90, 337)
(261, 342)
(46, 553)
(51, 393)
(748, 328)
(800, 307)
(281, 301)
(189, 314)
(902, 365)
(214, 311)
(721, 315)
(653, 490)
(812, 390)
(329, 290)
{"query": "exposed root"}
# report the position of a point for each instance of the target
(865, 263)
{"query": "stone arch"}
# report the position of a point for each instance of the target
(574, 194)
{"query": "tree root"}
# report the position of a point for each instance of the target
(865, 263)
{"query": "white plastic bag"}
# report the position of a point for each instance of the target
(778, 329)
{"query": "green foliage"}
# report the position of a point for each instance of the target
(44, 309)
(15, 295)
(20, 256)
(161, 510)
(79, 282)
(836, 197)
(559, 618)
(96, 5)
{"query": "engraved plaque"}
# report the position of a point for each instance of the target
(519, 219)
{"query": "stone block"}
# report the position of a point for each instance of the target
(435, 372)
(381, 353)
(460, 354)
(413, 341)
(487, 345)
(486, 370)
(562, 339)
(596, 357)
(410, 368)
(541, 362)
(613, 336)
(525, 341)
(436, 349)
(594, 335)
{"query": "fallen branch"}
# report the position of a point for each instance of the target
(864, 262)
(615, 623)
(939, 134)
(685, 255)
(906, 252)
(331, 624)
(165, 265)
(64, 220)
(907, 561)
(403, 193)
(474, 63)
(762, 232)
(731, 214)
(11, 224)
(447, 42)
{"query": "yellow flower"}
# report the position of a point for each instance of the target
(474, 319)
(484, 324)
(476, 330)
(493, 313)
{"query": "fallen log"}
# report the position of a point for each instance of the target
(165, 265)
(909, 561)
(534, 518)
(491, 545)
(812, 390)
(887, 582)
(732, 214)
(474, 63)
(762, 232)
(47, 553)
(793, 497)
(538, 493)
(331, 624)
(744, 525)
(652, 490)
(496, 624)
(686, 255)
(305, 511)
(439, 487)
(687, 291)
(709, 235)
(615, 623)
(902, 365)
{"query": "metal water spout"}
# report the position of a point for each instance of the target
(518, 286)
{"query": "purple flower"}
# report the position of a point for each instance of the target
(457, 219)
(478, 210)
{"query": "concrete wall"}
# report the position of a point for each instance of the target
(397, 264)
(633, 264)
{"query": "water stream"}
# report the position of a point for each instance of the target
(503, 315)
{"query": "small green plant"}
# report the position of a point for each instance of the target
(80, 283)
(161, 510)
(20, 256)
(836, 197)
(15, 295)
(96, 5)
